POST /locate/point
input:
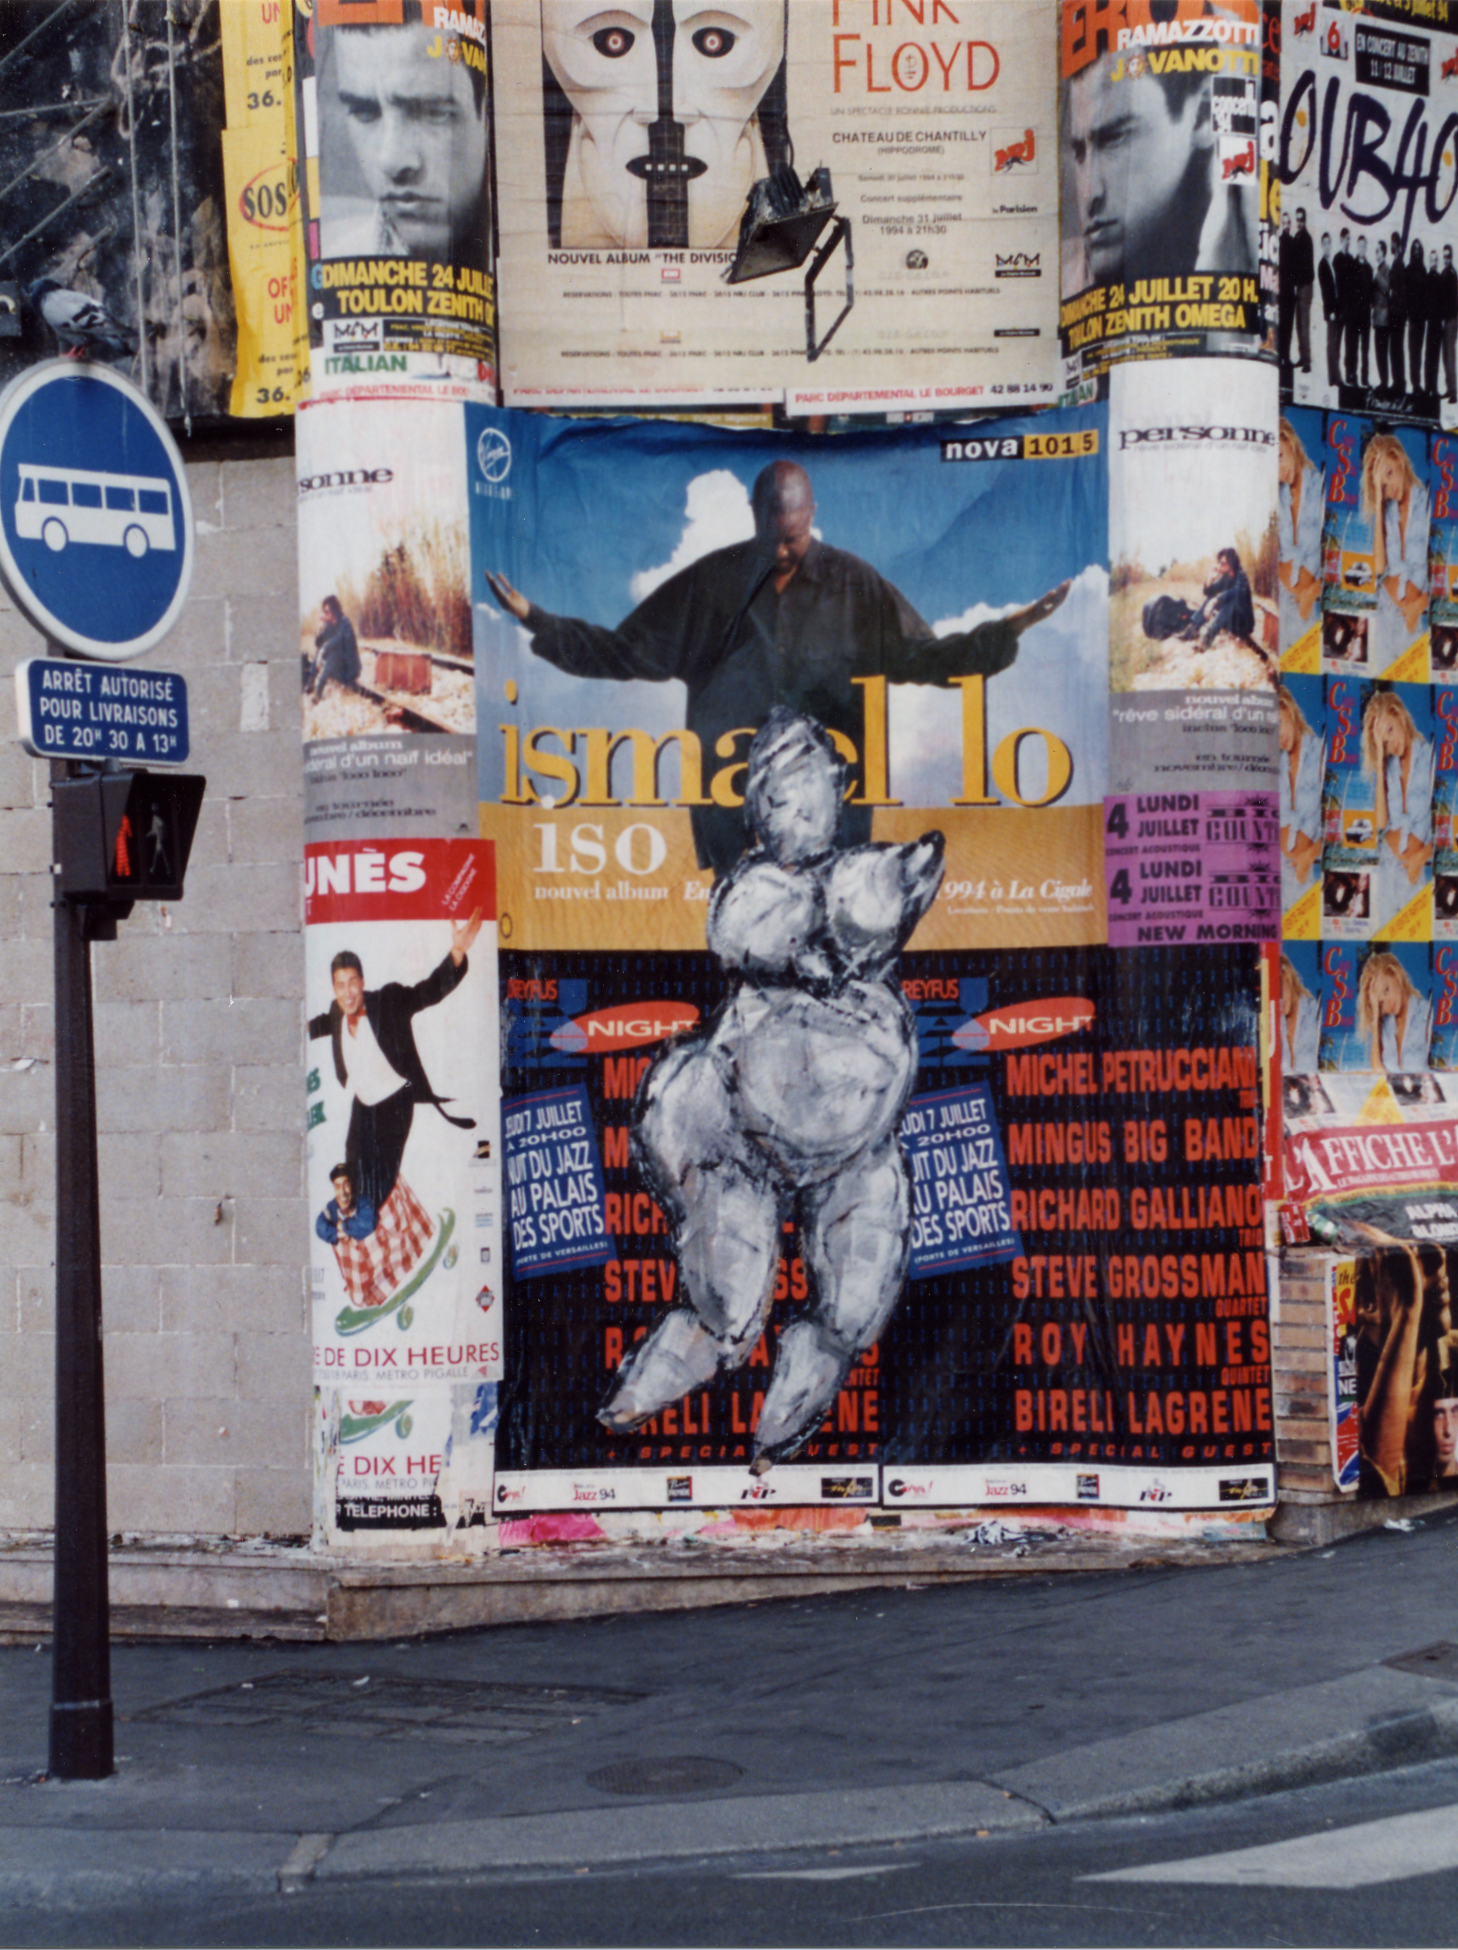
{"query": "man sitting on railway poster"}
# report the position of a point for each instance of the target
(1228, 604)
(336, 649)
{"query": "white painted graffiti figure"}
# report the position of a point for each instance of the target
(787, 1104)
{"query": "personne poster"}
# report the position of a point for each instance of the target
(1190, 828)
(403, 1145)
(394, 108)
(1394, 1369)
(845, 1163)
(836, 203)
(1161, 185)
(386, 656)
(1368, 167)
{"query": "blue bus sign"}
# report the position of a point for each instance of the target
(74, 710)
(96, 532)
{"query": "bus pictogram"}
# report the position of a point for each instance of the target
(59, 505)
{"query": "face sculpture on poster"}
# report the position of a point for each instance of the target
(660, 116)
(788, 1104)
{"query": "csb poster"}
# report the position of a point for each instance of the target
(833, 203)
(844, 1163)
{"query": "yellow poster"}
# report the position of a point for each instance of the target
(256, 179)
(253, 60)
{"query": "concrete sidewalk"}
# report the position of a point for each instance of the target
(868, 1718)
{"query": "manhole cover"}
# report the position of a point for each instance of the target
(1438, 1661)
(679, 1774)
(386, 1707)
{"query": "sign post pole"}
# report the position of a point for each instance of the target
(81, 1710)
(96, 550)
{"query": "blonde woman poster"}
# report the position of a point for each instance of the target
(1395, 501)
(1376, 1006)
(1394, 1017)
(1300, 1022)
(1375, 551)
(1398, 757)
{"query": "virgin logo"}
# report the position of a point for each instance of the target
(627, 1027)
(1024, 1023)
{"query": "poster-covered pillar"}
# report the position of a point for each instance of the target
(401, 1081)
(400, 936)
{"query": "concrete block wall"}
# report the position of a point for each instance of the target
(199, 1023)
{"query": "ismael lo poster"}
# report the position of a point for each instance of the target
(834, 1137)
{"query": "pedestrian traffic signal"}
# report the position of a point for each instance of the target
(125, 836)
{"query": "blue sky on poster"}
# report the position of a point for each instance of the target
(600, 514)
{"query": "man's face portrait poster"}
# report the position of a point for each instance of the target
(400, 111)
(1160, 170)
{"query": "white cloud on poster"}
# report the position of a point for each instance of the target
(1059, 683)
(717, 513)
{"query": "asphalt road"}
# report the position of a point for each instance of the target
(966, 1764)
(1051, 1887)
